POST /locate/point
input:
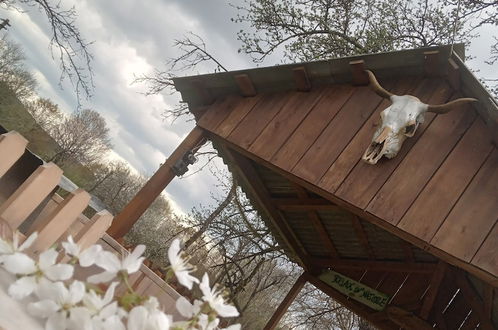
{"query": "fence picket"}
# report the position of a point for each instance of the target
(94, 229)
(30, 194)
(54, 225)
(12, 146)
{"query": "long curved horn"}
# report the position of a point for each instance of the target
(376, 87)
(447, 107)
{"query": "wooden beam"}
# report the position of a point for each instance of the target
(473, 299)
(482, 274)
(488, 300)
(304, 204)
(301, 79)
(431, 63)
(360, 77)
(300, 191)
(388, 266)
(204, 95)
(431, 295)
(453, 74)
(263, 198)
(322, 232)
(407, 249)
(245, 84)
(284, 305)
(156, 184)
(406, 320)
(362, 236)
(357, 308)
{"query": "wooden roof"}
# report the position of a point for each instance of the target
(393, 225)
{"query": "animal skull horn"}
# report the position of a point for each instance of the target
(400, 120)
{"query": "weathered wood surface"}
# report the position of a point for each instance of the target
(442, 179)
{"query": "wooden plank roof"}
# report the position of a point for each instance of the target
(386, 224)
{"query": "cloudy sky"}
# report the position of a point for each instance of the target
(132, 38)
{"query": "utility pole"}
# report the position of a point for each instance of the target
(4, 24)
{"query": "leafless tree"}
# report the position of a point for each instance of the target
(67, 44)
(45, 112)
(12, 70)
(193, 52)
(83, 136)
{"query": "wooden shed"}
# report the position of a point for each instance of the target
(417, 235)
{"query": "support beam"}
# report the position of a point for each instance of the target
(323, 234)
(360, 77)
(406, 320)
(284, 305)
(431, 63)
(362, 236)
(258, 190)
(245, 84)
(453, 75)
(301, 79)
(473, 299)
(156, 184)
(388, 266)
(430, 297)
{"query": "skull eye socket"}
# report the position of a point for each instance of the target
(411, 128)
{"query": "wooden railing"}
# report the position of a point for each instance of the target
(59, 217)
(52, 223)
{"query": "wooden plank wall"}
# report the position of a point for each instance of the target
(442, 187)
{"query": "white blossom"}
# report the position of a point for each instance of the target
(215, 300)
(32, 273)
(186, 309)
(11, 247)
(112, 265)
(87, 257)
(57, 303)
(180, 266)
(148, 317)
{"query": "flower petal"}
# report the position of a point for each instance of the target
(28, 241)
(44, 308)
(226, 310)
(185, 279)
(23, 287)
(108, 261)
(173, 252)
(102, 277)
(76, 292)
(59, 272)
(57, 321)
(137, 319)
(47, 258)
(184, 307)
(19, 263)
(233, 327)
(109, 294)
(158, 321)
(205, 288)
(89, 256)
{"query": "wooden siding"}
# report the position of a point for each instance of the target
(442, 187)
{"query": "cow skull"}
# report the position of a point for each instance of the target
(400, 121)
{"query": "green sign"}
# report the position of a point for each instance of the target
(357, 291)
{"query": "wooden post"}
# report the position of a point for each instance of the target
(53, 226)
(156, 184)
(30, 194)
(284, 305)
(94, 230)
(12, 146)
